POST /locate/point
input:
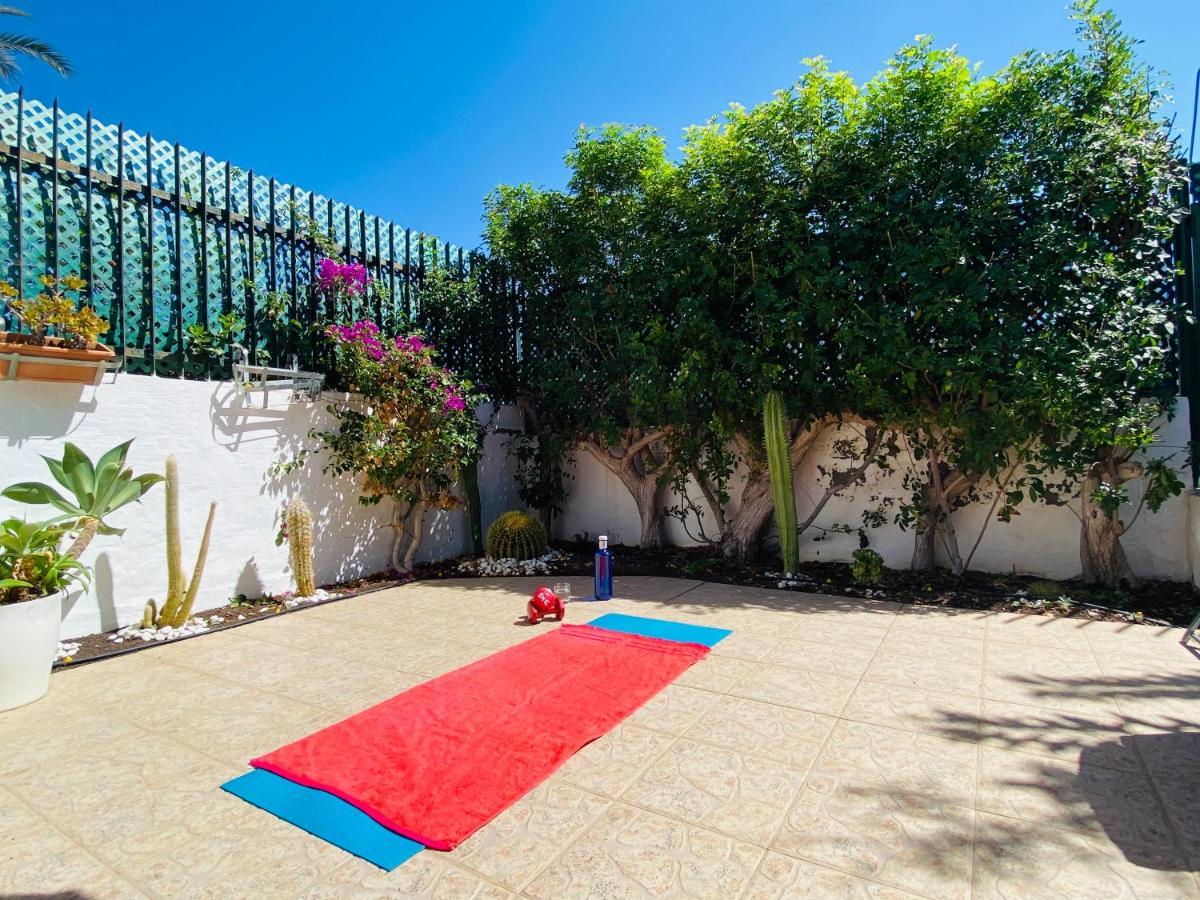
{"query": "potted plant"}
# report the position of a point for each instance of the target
(36, 573)
(72, 354)
(35, 577)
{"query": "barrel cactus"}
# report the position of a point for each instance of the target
(516, 535)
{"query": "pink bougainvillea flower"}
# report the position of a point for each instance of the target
(333, 275)
(455, 403)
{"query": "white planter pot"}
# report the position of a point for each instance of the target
(28, 645)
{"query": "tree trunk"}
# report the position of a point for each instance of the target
(85, 536)
(1100, 552)
(743, 536)
(942, 489)
(417, 519)
(924, 558)
(636, 472)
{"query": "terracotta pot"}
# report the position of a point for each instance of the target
(50, 361)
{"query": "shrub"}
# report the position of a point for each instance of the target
(516, 535)
(867, 567)
(407, 434)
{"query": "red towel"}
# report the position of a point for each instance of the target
(442, 759)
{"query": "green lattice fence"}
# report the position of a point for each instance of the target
(169, 238)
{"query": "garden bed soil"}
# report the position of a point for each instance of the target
(1153, 602)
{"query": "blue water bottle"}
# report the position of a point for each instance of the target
(603, 570)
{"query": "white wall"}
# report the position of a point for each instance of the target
(225, 443)
(1042, 540)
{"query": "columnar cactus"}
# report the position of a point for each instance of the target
(300, 546)
(181, 594)
(775, 435)
(516, 535)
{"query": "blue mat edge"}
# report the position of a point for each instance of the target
(663, 629)
(324, 816)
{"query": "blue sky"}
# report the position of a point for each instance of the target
(415, 110)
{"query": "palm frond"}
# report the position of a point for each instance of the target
(8, 66)
(13, 11)
(35, 49)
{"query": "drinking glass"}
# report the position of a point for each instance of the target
(563, 590)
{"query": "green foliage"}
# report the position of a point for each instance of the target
(783, 493)
(973, 260)
(867, 567)
(32, 563)
(14, 45)
(601, 339)
(94, 491)
(516, 535)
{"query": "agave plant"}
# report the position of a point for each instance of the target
(31, 562)
(95, 491)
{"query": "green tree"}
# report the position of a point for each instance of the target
(13, 45)
(756, 300)
(600, 340)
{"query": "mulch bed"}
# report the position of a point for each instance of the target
(1153, 602)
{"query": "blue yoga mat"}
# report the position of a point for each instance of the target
(661, 628)
(324, 815)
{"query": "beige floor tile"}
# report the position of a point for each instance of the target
(937, 622)
(1092, 737)
(953, 650)
(843, 615)
(715, 673)
(1018, 859)
(673, 709)
(55, 728)
(1046, 631)
(900, 762)
(789, 736)
(105, 792)
(746, 645)
(110, 784)
(917, 670)
(900, 839)
(608, 766)
(798, 688)
(828, 628)
(426, 875)
(38, 860)
(520, 841)
(1067, 795)
(630, 852)
(782, 877)
(739, 795)
(848, 660)
(940, 713)
(1158, 703)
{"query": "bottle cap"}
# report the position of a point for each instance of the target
(604, 542)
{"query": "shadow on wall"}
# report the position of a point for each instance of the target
(51, 411)
(347, 536)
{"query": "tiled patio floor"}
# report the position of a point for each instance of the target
(829, 748)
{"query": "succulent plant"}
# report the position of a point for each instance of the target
(181, 594)
(300, 546)
(516, 535)
(775, 435)
(95, 490)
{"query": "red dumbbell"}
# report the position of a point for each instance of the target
(544, 603)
